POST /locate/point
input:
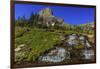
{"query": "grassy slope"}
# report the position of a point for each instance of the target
(38, 39)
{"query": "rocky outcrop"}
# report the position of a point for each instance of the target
(47, 12)
(76, 40)
(72, 47)
(57, 54)
(45, 18)
(88, 54)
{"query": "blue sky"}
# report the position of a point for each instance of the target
(70, 14)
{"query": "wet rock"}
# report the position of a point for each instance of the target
(84, 41)
(71, 40)
(88, 44)
(73, 47)
(75, 40)
(72, 37)
(88, 54)
(57, 54)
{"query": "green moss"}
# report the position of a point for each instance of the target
(79, 47)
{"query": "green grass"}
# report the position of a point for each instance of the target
(38, 39)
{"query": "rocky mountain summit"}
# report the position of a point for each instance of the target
(46, 18)
(46, 12)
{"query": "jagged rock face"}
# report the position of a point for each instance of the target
(47, 19)
(47, 12)
(72, 40)
(75, 40)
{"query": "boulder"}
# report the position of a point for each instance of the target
(71, 40)
(75, 40)
(57, 54)
(88, 53)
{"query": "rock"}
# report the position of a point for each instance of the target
(73, 37)
(73, 47)
(46, 12)
(76, 40)
(72, 43)
(57, 54)
(21, 53)
(72, 40)
(19, 47)
(84, 41)
(45, 19)
(88, 54)
(88, 44)
(82, 38)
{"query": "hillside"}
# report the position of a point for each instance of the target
(45, 39)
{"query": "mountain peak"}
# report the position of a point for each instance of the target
(46, 12)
